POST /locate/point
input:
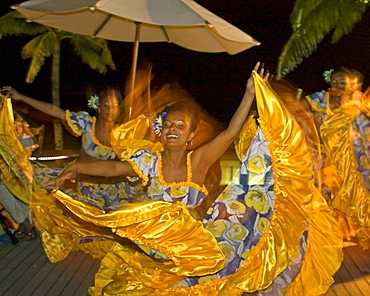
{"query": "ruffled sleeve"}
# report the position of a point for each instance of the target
(318, 101)
(78, 121)
(143, 162)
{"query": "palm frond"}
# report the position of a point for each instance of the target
(337, 15)
(301, 9)
(38, 49)
(13, 23)
(348, 20)
(107, 58)
(94, 52)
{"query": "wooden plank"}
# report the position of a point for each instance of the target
(19, 276)
(362, 260)
(12, 263)
(355, 273)
(338, 287)
(88, 281)
(348, 281)
(38, 277)
(70, 273)
(10, 253)
(25, 282)
(52, 275)
(78, 280)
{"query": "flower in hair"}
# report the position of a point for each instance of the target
(158, 123)
(327, 75)
(93, 102)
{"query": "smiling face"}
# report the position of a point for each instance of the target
(176, 129)
(109, 107)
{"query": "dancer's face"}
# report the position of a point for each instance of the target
(176, 129)
(109, 108)
(339, 81)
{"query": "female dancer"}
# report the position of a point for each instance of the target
(342, 116)
(274, 232)
(105, 193)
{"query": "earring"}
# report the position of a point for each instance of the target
(190, 143)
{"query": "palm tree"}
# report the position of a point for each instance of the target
(311, 21)
(93, 51)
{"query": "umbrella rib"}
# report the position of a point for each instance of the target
(102, 25)
(165, 34)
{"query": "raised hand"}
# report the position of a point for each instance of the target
(265, 76)
(11, 93)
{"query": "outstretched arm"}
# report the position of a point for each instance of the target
(104, 168)
(210, 152)
(44, 107)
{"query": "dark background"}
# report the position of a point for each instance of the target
(216, 80)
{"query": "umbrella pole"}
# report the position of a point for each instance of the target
(134, 66)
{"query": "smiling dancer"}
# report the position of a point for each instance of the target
(273, 233)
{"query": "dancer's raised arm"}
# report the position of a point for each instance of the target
(104, 168)
(44, 107)
(210, 152)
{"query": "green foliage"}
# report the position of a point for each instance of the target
(311, 21)
(14, 23)
(93, 51)
(38, 49)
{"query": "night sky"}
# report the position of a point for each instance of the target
(217, 81)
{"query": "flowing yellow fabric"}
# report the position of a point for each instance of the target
(349, 193)
(244, 140)
(57, 231)
(129, 137)
(8, 135)
(161, 226)
(297, 204)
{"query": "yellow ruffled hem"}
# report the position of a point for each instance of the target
(73, 128)
(138, 172)
(152, 223)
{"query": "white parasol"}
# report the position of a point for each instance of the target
(183, 22)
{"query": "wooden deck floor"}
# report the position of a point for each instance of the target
(26, 271)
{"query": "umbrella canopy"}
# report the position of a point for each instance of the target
(183, 22)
